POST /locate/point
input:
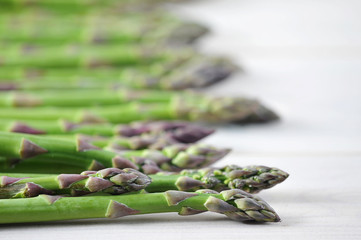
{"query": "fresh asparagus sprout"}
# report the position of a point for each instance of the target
(190, 106)
(109, 180)
(235, 204)
(251, 179)
(135, 135)
(100, 31)
(175, 74)
(26, 152)
(84, 56)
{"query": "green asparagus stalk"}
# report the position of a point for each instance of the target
(24, 152)
(133, 13)
(72, 76)
(136, 135)
(81, 98)
(80, 6)
(251, 179)
(157, 141)
(85, 98)
(101, 32)
(54, 3)
(179, 74)
(63, 56)
(235, 204)
(192, 107)
(147, 141)
(183, 132)
(110, 180)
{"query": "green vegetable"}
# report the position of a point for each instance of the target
(131, 135)
(30, 153)
(193, 107)
(235, 204)
(179, 73)
(251, 179)
(73, 55)
(110, 180)
(105, 30)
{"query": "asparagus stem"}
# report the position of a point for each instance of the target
(169, 31)
(110, 180)
(80, 98)
(178, 74)
(74, 7)
(235, 204)
(251, 179)
(157, 141)
(63, 56)
(182, 131)
(133, 135)
(21, 149)
(194, 107)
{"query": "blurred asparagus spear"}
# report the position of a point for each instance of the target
(133, 135)
(191, 106)
(169, 31)
(87, 98)
(158, 141)
(81, 98)
(63, 56)
(81, 5)
(182, 73)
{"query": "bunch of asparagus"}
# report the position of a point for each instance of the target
(24, 157)
(53, 49)
(165, 190)
(90, 124)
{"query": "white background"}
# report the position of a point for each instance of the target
(302, 58)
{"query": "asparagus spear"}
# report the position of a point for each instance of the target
(79, 6)
(134, 135)
(110, 180)
(20, 149)
(251, 179)
(175, 34)
(21, 75)
(86, 98)
(179, 74)
(157, 141)
(235, 204)
(157, 136)
(86, 56)
(102, 32)
(183, 132)
(193, 107)
(80, 98)
(122, 12)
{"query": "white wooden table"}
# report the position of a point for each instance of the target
(303, 58)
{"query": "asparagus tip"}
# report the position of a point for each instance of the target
(186, 33)
(200, 73)
(28, 149)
